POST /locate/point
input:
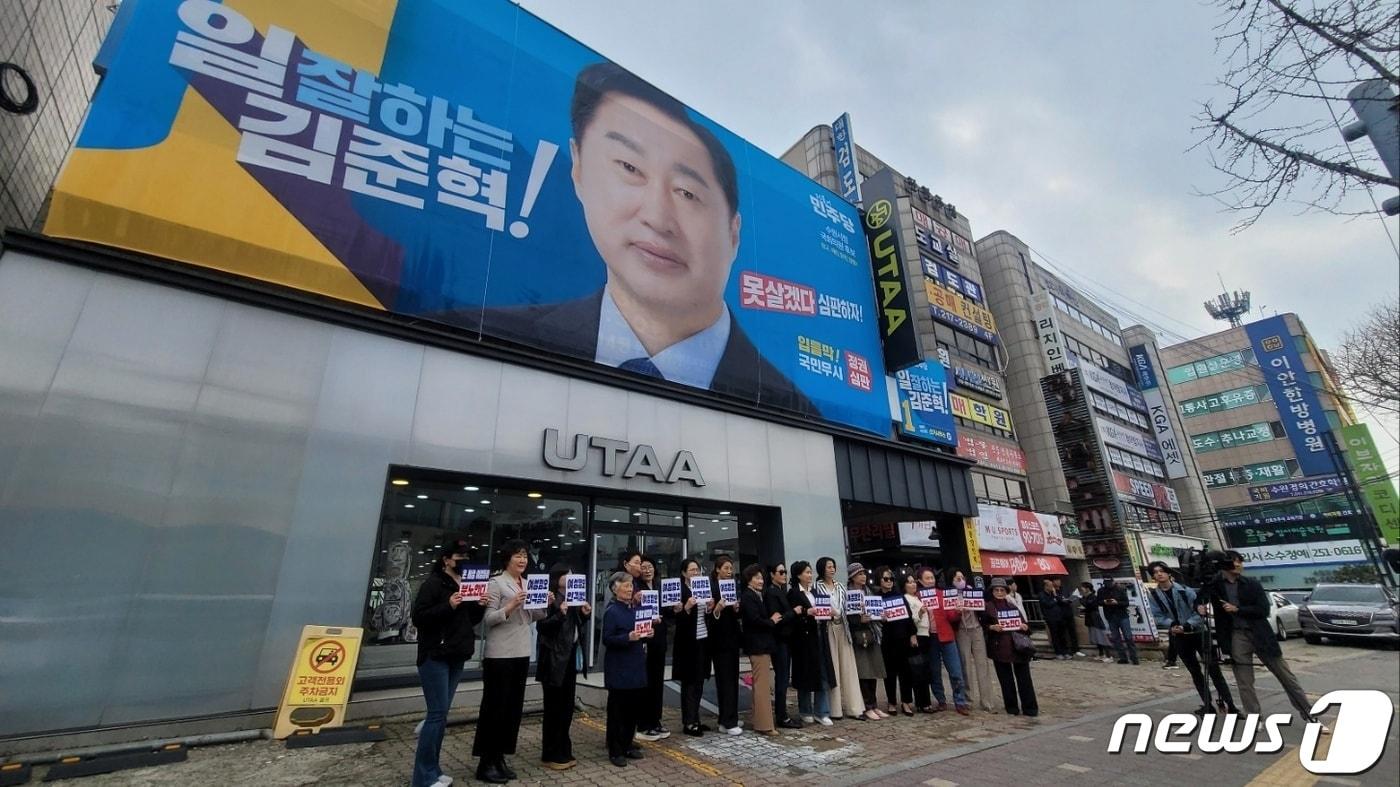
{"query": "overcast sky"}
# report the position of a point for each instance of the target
(1066, 124)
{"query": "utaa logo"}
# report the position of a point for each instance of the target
(878, 214)
(1358, 740)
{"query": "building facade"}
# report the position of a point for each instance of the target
(1096, 443)
(951, 310)
(226, 408)
(47, 51)
(1258, 403)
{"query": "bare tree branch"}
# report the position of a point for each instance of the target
(1274, 133)
(1368, 360)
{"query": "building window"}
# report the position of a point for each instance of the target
(421, 514)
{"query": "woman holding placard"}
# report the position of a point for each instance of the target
(813, 674)
(558, 661)
(918, 661)
(865, 639)
(897, 642)
(972, 645)
(505, 664)
(724, 643)
(1011, 650)
(846, 699)
(941, 650)
(624, 669)
(690, 663)
(759, 644)
(649, 722)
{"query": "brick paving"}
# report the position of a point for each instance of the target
(1078, 701)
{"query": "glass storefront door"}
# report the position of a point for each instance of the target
(666, 549)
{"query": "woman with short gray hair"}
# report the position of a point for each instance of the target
(624, 670)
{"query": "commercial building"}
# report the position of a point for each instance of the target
(954, 328)
(348, 318)
(1260, 406)
(47, 50)
(1105, 448)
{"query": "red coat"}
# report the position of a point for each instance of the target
(944, 621)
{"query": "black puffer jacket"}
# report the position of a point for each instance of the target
(444, 633)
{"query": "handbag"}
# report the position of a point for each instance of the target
(918, 668)
(862, 637)
(1021, 644)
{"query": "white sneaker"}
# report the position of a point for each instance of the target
(826, 721)
(735, 730)
(1107, 659)
(809, 719)
(1081, 654)
(647, 736)
(444, 780)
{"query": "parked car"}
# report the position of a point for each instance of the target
(1284, 616)
(1351, 612)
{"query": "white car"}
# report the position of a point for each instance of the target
(1283, 616)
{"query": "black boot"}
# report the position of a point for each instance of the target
(505, 768)
(487, 771)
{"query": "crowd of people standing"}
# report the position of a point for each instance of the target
(830, 636)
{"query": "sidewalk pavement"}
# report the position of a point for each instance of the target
(849, 752)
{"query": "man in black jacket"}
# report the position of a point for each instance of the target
(1242, 626)
(446, 639)
(1058, 619)
(1113, 600)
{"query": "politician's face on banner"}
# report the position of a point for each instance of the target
(655, 209)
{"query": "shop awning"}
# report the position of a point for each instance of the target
(913, 481)
(1007, 564)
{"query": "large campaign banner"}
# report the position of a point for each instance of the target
(468, 164)
(1015, 530)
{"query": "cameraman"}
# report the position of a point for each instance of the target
(1173, 606)
(1242, 620)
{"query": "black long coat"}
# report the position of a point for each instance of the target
(812, 668)
(689, 657)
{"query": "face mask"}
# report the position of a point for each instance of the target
(959, 583)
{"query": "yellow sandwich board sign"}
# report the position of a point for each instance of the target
(318, 685)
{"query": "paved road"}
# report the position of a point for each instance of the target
(1075, 752)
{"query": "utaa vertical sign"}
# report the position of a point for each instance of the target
(886, 242)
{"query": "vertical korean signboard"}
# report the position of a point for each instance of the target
(1377, 490)
(847, 176)
(1047, 333)
(1158, 412)
(886, 241)
(467, 164)
(1297, 403)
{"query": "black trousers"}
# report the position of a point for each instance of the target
(691, 691)
(556, 745)
(899, 682)
(623, 705)
(650, 711)
(727, 687)
(782, 678)
(502, 701)
(1188, 648)
(1060, 637)
(1172, 650)
(1017, 690)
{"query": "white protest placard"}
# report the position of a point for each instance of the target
(642, 622)
(670, 591)
(952, 598)
(536, 591)
(855, 602)
(700, 589)
(650, 600)
(729, 591)
(575, 590)
(1010, 619)
(821, 603)
(895, 608)
(974, 599)
(472, 583)
(930, 598)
